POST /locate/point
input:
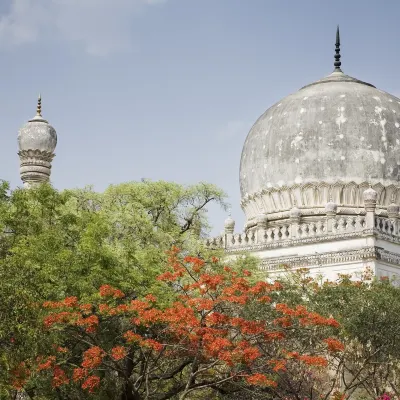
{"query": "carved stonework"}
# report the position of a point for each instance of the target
(35, 166)
(305, 231)
(312, 198)
(334, 257)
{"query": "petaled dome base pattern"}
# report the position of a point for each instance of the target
(312, 198)
(35, 166)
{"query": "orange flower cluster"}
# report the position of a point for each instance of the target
(79, 374)
(305, 317)
(278, 365)
(176, 266)
(206, 320)
(46, 364)
(69, 302)
(109, 291)
(316, 361)
(118, 353)
(59, 377)
(91, 384)
(261, 380)
(90, 323)
(197, 263)
(334, 345)
(93, 357)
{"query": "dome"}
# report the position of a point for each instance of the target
(229, 224)
(37, 134)
(336, 127)
(336, 131)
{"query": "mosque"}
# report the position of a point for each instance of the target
(319, 179)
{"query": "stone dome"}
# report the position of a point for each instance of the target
(338, 127)
(329, 141)
(37, 134)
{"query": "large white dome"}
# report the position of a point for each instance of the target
(326, 143)
(336, 128)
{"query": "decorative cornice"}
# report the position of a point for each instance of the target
(312, 197)
(334, 257)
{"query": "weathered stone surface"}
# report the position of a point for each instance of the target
(338, 128)
(37, 134)
(37, 141)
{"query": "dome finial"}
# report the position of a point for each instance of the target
(337, 62)
(39, 106)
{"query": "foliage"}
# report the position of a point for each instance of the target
(368, 310)
(59, 244)
(202, 343)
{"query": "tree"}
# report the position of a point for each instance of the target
(202, 343)
(367, 309)
(59, 244)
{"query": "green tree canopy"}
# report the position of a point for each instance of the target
(68, 243)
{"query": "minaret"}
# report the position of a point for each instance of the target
(37, 141)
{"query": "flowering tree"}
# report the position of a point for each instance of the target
(56, 244)
(202, 342)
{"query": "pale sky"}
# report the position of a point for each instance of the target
(168, 89)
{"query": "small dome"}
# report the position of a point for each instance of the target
(229, 223)
(37, 134)
(370, 195)
(331, 207)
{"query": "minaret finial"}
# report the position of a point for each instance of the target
(337, 62)
(39, 106)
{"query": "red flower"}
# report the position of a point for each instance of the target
(314, 360)
(47, 364)
(109, 291)
(119, 352)
(59, 377)
(79, 374)
(91, 384)
(132, 337)
(70, 301)
(93, 357)
(260, 379)
(334, 345)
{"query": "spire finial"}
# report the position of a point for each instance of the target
(337, 62)
(39, 106)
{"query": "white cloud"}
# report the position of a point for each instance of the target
(99, 26)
